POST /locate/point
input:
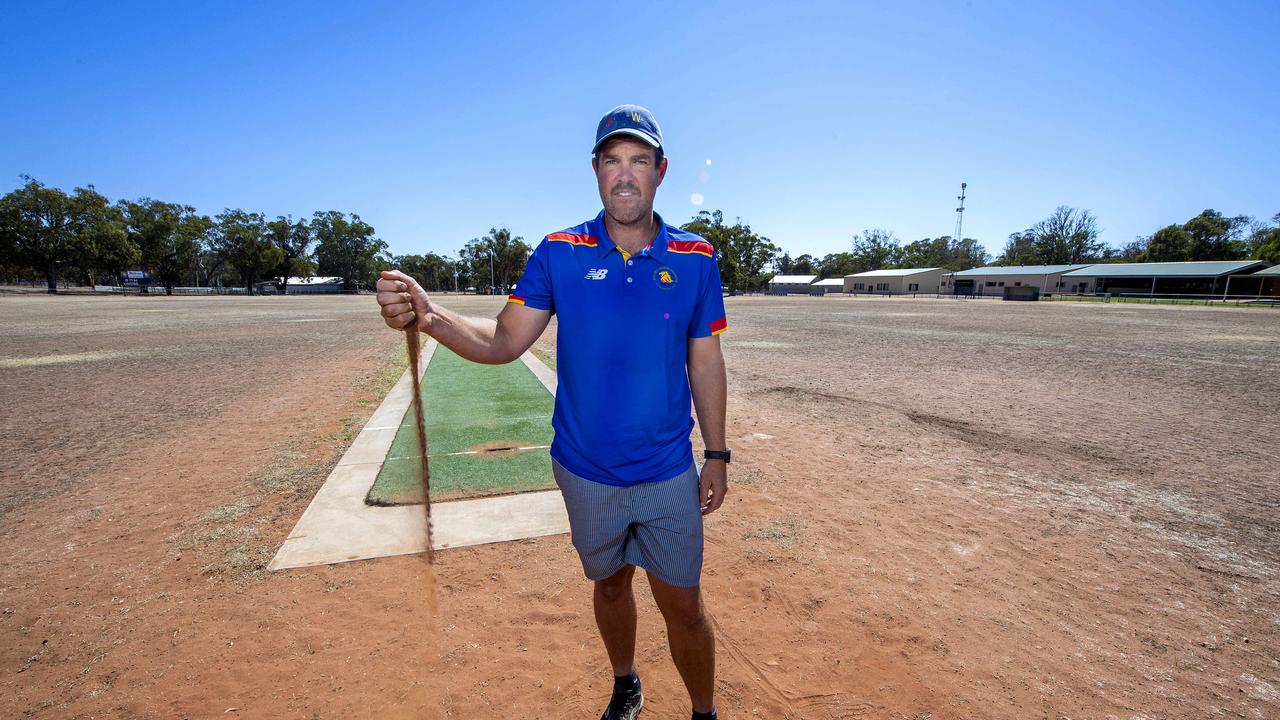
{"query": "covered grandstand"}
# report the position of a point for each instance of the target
(1171, 278)
(993, 279)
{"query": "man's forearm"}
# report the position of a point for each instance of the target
(709, 386)
(477, 339)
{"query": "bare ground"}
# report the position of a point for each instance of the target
(939, 509)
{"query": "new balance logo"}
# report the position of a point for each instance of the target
(597, 274)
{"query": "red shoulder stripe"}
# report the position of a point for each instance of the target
(690, 247)
(572, 239)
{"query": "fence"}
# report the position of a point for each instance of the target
(1169, 299)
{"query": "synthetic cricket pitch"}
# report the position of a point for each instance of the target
(488, 430)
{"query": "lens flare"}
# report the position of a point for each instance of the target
(696, 198)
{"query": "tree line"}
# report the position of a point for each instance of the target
(83, 237)
(1070, 237)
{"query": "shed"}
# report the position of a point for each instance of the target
(894, 282)
(824, 287)
(993, 279)
(1171, 278)
(784, 284)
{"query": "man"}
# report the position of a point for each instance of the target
(640, 309)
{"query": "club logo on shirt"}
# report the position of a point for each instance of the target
(596, 274)
(665, 278)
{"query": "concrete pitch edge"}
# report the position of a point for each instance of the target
(338, 526)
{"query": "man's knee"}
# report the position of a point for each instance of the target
(683, 607)
(616, 586)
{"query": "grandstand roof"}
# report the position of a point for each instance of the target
(831, 282)
(1269, 272)
(1169, 269)
(1018, 270)
(902, 272)
(794, 279)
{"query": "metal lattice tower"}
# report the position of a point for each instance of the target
(960, 213)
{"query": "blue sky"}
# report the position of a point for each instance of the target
(435, 121)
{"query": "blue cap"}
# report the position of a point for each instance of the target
(628, 120)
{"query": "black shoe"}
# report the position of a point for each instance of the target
(625, 704)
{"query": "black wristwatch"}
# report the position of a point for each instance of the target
(718, 455)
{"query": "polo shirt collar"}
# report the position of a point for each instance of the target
(605, 244)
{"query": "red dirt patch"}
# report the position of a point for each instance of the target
(938, 510)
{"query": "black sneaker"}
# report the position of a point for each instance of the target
(625, 704)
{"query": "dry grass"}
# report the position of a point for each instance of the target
(228, 539)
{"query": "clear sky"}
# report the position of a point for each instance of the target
(434, 121)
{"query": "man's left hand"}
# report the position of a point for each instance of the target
(714, 484)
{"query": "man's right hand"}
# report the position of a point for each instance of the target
(403, 301)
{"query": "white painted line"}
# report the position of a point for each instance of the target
(470, 452)
(545, 375)
(338, 526)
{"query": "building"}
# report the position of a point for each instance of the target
(993, 279)
(894, 282)
(304, 286)
(785, 284)
(1261, 284)
(1171, 278)
(825, 287)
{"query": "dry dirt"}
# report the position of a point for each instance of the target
(939, 509)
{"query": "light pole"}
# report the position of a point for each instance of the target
(492, 290)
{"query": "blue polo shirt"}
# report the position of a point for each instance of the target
(623, 406)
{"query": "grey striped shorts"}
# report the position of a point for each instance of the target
(656, 526)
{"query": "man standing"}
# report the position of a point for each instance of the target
(640, 307)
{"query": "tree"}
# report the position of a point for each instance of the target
(1171, 243)
(432, 271)
(1264, 241)
(1020, 249)
(346, 247)
(497, 259)
(1131, 252)
(1067, 237)
(943, 252)
(293, 240)
(1216, 237)
(741, 254)
(39, 228)
(102, 243)
(875, 250)
(837, 265)
(803, 265)
(242, 239)
(169, 237)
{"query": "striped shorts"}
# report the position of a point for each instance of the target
(656, 526)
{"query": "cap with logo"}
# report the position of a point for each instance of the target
(628, 120)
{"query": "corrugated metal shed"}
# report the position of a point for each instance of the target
(1019, 270)
(830, 282)
(1170, 269)
(904, 272)
(793, 279)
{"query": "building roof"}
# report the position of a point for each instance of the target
(1272, 271)
(1169, 269)
(831, 282)
(1018, 270)
(317, 280)
(902, 272)
(794, 279)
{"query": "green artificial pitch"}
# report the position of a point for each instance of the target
(481, 422)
